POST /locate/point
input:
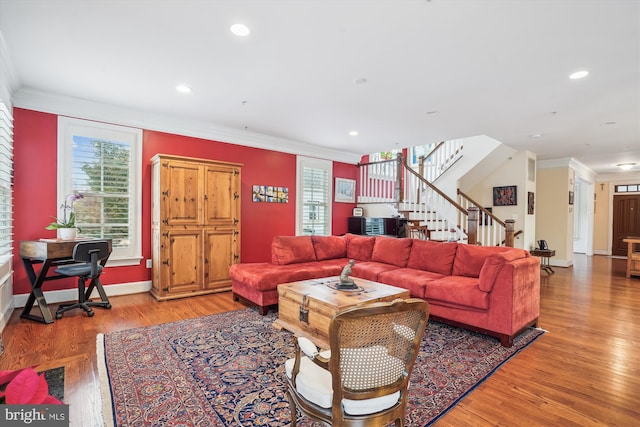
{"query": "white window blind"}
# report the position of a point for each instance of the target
(314, 197)
(101, 173)
(101, 162)
(6, 184)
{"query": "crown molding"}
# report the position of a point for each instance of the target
(580, 169)
(90, 110)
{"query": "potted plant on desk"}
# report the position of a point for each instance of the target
(66, 226)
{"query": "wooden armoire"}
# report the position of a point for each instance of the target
(195, 225)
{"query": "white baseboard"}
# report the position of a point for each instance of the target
(63, 295)
(601, 252)
(560, 262)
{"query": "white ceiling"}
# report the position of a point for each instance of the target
(498, 68)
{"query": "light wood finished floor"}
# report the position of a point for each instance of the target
(584, 372)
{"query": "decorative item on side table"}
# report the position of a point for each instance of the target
(66, 225)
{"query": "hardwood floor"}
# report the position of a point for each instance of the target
(584, 372)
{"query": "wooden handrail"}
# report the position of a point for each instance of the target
(483, 210)
(434, 188)
(431, 153)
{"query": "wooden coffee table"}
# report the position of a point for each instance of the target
(306, 307)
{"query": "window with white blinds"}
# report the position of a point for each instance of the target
(6, 184)
(101, 162)
(314, 197)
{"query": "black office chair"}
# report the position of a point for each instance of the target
(89, 254)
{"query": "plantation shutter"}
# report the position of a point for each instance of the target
(316, 201)
(6, 177)
(102, 173)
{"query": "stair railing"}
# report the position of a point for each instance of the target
(492, 231)
(426, 204)
(394, 182)
(380, 182)
(439, 159)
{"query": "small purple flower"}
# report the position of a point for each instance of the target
(72, 198)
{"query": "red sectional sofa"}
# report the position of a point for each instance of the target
(493, 290)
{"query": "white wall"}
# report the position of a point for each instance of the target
(512, 171)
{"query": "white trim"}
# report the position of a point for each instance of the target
(327, 165)
(560, 263)
(580, 169)
(70, 127)
(9, 81)
(75, 107)
(62, 295)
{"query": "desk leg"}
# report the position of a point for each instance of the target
(36, 292)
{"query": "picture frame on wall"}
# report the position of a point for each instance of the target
(345, 190)
(505, 196)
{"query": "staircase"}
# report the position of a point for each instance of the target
(429, 210)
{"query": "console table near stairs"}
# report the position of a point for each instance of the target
(633, 256)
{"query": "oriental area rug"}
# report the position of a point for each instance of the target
(228, 370)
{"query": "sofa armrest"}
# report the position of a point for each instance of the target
(514, 300)
(494, 264)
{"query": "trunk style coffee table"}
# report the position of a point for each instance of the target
(306, 307)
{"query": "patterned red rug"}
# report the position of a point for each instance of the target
(228, 370)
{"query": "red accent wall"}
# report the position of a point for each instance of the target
(35, 186)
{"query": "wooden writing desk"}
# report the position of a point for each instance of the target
(633, 256)
(49, 253)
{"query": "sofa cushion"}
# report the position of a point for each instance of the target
(292, 249)
(370, 270)
(390, 250)
(458, 291)
(359, 247)
(415, 281)
(432, 256)
(470, 258)
(265, 277)
(329, 247)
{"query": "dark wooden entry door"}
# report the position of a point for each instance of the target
(626, 221)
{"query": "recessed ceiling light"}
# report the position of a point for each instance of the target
(609, 123)
(579, 74)
(182, 88)
(535, 135)
(625, 166)
(353, 133)
(360, 80)
(240, 30)
(432, 112)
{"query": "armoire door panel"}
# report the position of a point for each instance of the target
(184, 260)
(221, 250)
(184, 194)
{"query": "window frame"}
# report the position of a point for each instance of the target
(326, 165)
(69, 127)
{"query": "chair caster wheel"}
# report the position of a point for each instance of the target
(90, 313)
(58, 316)
(108, 306)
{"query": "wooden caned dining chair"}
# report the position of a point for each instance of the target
(363, 379)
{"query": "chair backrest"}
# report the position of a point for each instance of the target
(374, 347)
(91, 252)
